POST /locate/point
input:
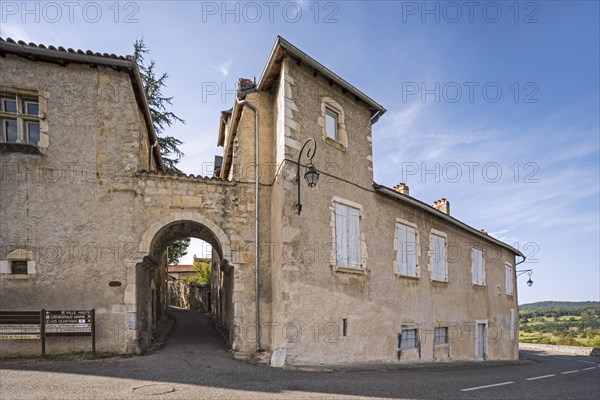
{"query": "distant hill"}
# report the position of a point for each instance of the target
(542, 305)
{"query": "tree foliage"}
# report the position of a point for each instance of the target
(203, 274)
(177, 249)
(154, 82)
(564, 324)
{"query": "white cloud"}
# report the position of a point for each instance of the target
(224, 68)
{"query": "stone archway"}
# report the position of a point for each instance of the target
(150, 272)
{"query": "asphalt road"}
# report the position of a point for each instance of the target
(192, 366)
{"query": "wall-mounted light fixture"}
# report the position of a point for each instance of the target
(312, 174)
(529, 272)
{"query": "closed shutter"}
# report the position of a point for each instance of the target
(442, 260)
(411, 250)
(477, 266)
(341, 229)
(509, 279)
(401, 253)
(438, 256)
(353, 237)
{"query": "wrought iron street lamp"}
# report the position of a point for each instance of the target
(312, 174)
(529, 272)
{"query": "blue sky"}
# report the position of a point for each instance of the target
(495, 108)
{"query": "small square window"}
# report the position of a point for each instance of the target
(9, 105)
(19, 267)
(331, 124)
(441, 335)
(408, 339)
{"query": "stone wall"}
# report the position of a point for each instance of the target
(189, 296)
(96, 225)
(572, 350)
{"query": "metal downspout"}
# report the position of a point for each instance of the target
(150, 158)
(256, 251)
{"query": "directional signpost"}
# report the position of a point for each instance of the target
(44, 323)
(69, 323)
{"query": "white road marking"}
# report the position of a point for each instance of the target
(588, 362)
(486, 386)
(588, 368)
(570, 372)
(539, 377)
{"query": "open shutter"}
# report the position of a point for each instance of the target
(353, 237)
(473, 266)
(4, 267)
(341, 234)
(433, 255)
(401, 253)
(411, 251)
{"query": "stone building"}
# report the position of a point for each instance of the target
(364, 273)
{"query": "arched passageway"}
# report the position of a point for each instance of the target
(151, 275)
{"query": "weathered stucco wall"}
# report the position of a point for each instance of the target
(314, 298)
(91, 216)
(73, 207)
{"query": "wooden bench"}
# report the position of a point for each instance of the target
(19, 325)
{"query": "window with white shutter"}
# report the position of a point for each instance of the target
(406, 250)
(437, 251)
(347, 236)
(509, 280)
(477, 267)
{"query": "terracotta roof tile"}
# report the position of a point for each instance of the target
(62, 49)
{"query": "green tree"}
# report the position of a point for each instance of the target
(203, 274)
(154, 82)
(177, 249)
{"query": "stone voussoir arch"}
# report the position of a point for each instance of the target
(151, 232)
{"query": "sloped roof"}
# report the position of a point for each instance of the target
(60, 55)
(283, 48)
(181, 268)
(389, 192)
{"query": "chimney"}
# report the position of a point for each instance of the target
(401, 188)
(442, 205)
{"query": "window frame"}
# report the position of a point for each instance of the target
(413, 340)
(475, 268)
(436, 336)
(18, 269)
(508, 279)
(24, 98)
(330, 112)
(345, 240)
(362, 249)
(330, 107)
(398, 267)
(433, 255)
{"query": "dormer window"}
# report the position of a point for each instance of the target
(331, 124)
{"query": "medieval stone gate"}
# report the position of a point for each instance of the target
(216, 211)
